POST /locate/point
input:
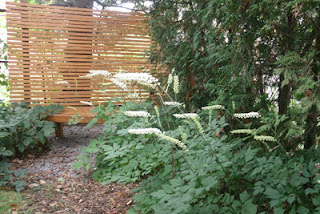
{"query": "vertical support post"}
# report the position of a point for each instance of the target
(59, 129)
(25, 59)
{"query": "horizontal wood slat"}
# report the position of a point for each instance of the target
(95, 40)
(80, 36)
(44, 46)
(48, 44)
(80, 22)
(75, 11)
(61, 27)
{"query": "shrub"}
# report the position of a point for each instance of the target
(191, 163)
(22, 128)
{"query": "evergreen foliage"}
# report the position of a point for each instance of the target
(248, 55)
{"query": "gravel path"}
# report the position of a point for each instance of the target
(53, 186)
(63, 151)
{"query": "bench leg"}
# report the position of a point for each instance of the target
(59, 129)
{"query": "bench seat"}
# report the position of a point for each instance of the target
(83, 113)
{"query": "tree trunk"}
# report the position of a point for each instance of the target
(311, 129)
(285, 91)
(284, 97)
(81, 3)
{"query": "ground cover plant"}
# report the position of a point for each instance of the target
(197, 162)
(22, 128)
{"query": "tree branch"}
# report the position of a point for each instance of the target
(106, 5)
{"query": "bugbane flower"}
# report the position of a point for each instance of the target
(145, 131)
(149, 85)
(173, 140)
(142, 77)
(183, 134)
(170, 79)
(87, 103)
(172, 103)
(156, 109)
(133, 95)
(265, 138)
(198, 124)
(213, 107)
(247, 115)
(93, 73)
(187, 115)
(118, 83)
(176, 84)
(242, 131)
(137, 113)
(62, 82)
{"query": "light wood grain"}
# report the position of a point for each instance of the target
(48, 44)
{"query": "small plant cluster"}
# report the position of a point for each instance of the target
(189, 163)
(22, 128)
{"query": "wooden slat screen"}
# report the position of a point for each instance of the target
(50, 44)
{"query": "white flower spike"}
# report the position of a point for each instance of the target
(87, 103)
(172, 104)
(145, 131)
(247, 115)
(176, 84)
(93, 73)
(170, 79)
(119, 83)
(242, 131)
(213, 107)
(187, 115)
(62, 82)
(156, 109)
(137, 114)
(173, 140)
(265, 138)
(142, 77)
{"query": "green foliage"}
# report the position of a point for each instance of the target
(4, 82)
(11, 197)
(195, 166)
(216, 174)
(248, 55)
(22, 128)
(122, 157)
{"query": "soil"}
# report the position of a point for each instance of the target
(53, 186)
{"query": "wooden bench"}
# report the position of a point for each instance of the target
(50, 54)
(83, 113)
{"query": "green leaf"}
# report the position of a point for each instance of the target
(4, 134)
(159, 194)
(316, 201)
(291, 199)
(88, 165)
(250, 153)
(272, 193)
(5, 153)
(19, 185)
(131, 211)
(278, 210)
(249, 207)
(303, 210)
(244, 196)
(209, 182)
(20, 173)
(48, 131)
